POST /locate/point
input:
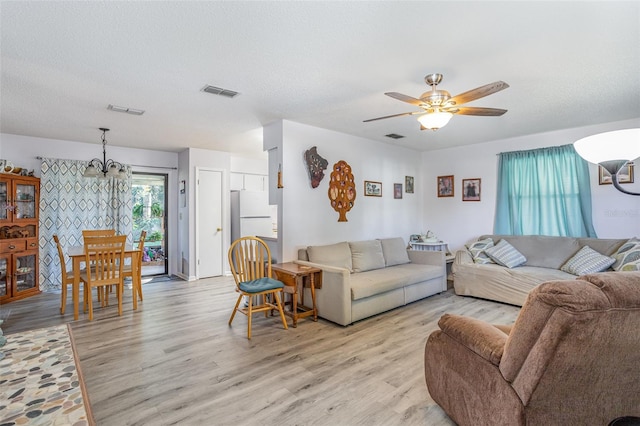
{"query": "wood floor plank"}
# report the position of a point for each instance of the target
(175, 361)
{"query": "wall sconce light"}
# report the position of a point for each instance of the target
(612, 151)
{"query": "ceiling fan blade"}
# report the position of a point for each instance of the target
(405, 98)
(477, 93)
(394, 115)
(488, 112)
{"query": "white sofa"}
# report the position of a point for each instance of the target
(544, 255)
(365, 278)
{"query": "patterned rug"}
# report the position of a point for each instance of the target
(40, 380)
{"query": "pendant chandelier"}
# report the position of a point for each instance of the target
(105, 168)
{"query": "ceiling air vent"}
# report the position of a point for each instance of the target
(394, 136)
(219, 91)
(126, 110)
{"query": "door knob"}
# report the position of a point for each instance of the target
(218, 229)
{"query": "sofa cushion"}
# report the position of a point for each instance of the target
(394, 251)
(505, 254)
(477, 250)
(370, 283)
(337, 255)
(587, 261)
(628, 256)
(366, 255)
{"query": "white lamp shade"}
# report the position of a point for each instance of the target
(90, 171)
(435, 120)
(122, 174)
(113, 171)
(608, 146)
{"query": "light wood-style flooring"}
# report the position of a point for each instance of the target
(175, 361)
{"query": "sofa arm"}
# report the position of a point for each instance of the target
(478, 336)
(463, 256)
(333, 300)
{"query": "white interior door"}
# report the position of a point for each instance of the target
(209, 223)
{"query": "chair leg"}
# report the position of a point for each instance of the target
(119, 290)
(91, 305)
(249, 315)
(235, 309)
(63, 301)
(284, 321)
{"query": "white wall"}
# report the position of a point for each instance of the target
(212, 160)
(307, 216)
(615, 215)
(23, 150)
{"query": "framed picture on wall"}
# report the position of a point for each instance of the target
(372, 189)
(397, 190)
(471, 189)
(408, 184)
(445, 186)
(625, 175)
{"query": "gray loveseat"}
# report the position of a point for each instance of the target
(545, 255)
(364, 278)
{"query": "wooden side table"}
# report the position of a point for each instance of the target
(296, 276)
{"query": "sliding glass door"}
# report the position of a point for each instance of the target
(150, 214)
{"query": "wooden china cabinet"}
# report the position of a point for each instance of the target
(19, 198)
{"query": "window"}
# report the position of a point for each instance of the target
(544, 192)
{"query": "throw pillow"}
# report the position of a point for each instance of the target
(394, 251)
(628, 256)
(366, 255)
(477, 251)
(587, 261)
(337, 255)
(505, 254)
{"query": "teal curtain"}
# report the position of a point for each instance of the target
(544, 191)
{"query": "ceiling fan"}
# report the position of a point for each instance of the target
(438, 106)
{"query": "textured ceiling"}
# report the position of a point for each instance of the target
(325, 64)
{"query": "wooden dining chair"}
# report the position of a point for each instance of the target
(66, 276)
(250, 261)
(98, 232)
(106, 257)
(130, 270)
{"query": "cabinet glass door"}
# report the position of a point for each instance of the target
(25, 272)
(25, 201)
(4, 200)
(4, 276)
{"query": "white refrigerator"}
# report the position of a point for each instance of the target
(250, 214)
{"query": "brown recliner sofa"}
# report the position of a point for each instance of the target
(572, 357)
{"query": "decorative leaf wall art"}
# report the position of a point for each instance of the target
(342, 189)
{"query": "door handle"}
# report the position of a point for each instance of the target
(218, 229)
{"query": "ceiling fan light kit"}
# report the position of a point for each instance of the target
(434, 120)
(438, 106)
(611, 150)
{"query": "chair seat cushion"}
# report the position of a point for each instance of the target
(259, 285)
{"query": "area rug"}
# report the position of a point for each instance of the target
(40, 380)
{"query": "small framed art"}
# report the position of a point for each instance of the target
(397, 190)
(408, 184)
(625, 175)
(445, 186)
(372, 189)
(471, 189)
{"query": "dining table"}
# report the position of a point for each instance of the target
(76, 253)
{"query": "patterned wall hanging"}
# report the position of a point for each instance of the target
(342, 189)
(316, 165)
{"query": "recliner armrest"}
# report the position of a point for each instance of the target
(480, 337)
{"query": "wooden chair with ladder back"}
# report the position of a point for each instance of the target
(250, 261)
